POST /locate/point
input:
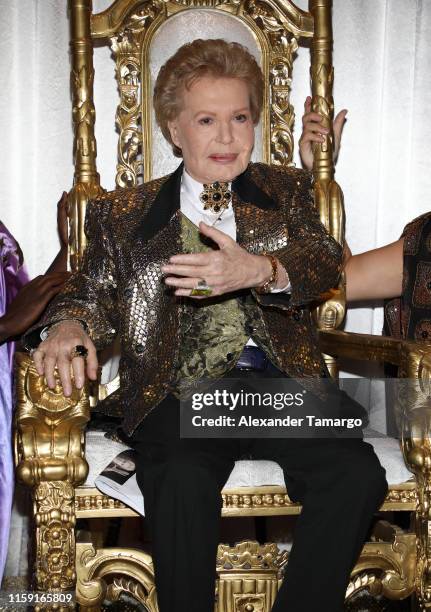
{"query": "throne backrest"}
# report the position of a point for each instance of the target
(143, 34)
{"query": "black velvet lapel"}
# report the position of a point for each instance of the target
(165, 205)
(249, 192)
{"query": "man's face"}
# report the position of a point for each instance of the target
(214, 129)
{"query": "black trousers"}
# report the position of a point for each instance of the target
(339, 482)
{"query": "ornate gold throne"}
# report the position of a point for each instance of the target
(51, 449)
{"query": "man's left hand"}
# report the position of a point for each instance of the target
(227, 269)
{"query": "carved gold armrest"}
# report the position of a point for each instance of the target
(414, 395)
(49, 428)
(49, 455)
(362, 346)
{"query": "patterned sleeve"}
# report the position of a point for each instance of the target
(409, 317)
(312, 257)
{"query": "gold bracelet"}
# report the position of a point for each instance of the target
(268, 285)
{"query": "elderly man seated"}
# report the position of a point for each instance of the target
(209, 273)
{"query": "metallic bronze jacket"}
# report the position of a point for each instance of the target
(119, 289)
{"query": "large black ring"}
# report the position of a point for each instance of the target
(79, 351)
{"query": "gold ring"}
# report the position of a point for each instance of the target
(201, 289)
(78, 351)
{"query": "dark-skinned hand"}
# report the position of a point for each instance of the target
(30, 303)
(62, 224)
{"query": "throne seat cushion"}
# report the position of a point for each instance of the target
(247, 473)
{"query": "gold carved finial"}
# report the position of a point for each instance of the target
(250, 556)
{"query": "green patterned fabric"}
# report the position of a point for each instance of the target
(214, 331)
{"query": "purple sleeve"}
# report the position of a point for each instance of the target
(12, 277)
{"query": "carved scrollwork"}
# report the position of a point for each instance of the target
(49, 452)
(386, 568)
(208, 3)
(97, 502)
(84, 116)
(140, 17)
(126, 46)
(49, 439)
(55, 536)
(240, 502)
(83, 111)
(323, 77)
(423, 582)
(121, 584)
(109, 572)
(251, 556)
(283, 46)
(365, 580)
(85, 152)
(49, 400)
(404, 496)
(127, 23)
(423, 535)
(110, 20)
(415, 416)
(90, 502)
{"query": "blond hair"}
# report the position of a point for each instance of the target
(214, 57)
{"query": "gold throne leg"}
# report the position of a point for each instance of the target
(249, 576)
(49, 455)
(54, 515)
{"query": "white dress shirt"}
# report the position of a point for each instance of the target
(193, 209)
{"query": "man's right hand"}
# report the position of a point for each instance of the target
(56, 351)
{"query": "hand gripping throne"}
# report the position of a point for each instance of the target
(51, 445)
